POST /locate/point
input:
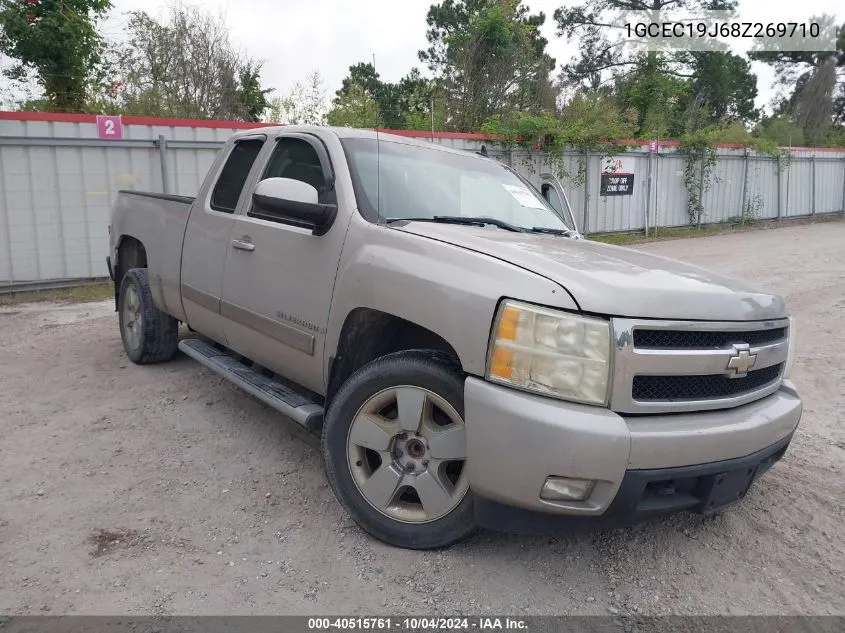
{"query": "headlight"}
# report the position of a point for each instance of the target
(790, 354)
(550, 352)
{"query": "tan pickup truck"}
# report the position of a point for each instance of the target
(467, 358)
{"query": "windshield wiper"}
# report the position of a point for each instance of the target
(563, 232)
(469, 221)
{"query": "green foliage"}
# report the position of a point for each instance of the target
(699, 149)
(589, 122)
(662, 233)
(734, 133)
(396, 103)
(737, 134)
(354, 108)
(671, 92)
(816, 85)
(363, 76)
(701, 158)
(722, 85)
(489, 58)
(184, 66)
(58, 39)
(836, 137)
(781, 130)
(751, 210)
(250, 96)
(653, 92)
(384, 95)
(600, 52)
(750, 213)
(83, 293)
(423, 119)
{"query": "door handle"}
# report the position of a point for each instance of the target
(242, 245)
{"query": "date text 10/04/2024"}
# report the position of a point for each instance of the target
(417, 624)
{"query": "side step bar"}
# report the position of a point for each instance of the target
(298, 406)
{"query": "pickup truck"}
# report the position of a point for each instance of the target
(466, 357)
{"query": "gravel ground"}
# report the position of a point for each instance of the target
(165, 490)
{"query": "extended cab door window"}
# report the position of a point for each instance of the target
(227, 189)
(297, 159)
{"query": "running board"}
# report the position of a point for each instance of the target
(301, 408)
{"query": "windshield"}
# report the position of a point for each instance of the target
(395, 181)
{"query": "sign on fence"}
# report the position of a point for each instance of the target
(109, 127)
(616, 184)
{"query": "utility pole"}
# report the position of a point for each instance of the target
(432, 118)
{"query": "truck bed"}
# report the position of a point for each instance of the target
(158, 221)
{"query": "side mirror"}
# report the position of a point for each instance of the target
(293, 202)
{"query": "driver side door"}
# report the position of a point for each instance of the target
(279, 278)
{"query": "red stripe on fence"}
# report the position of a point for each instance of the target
(62, 117)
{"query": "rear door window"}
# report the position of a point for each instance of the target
(227, 190)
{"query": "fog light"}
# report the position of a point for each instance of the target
(565, 489)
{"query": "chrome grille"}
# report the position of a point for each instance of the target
(680, 339)
(674, 366)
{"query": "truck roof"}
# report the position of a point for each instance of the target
(346, 132)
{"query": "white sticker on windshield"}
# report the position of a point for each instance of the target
(524, 197)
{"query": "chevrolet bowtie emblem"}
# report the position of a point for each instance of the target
(741, 361)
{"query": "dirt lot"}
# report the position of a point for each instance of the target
(163, 490)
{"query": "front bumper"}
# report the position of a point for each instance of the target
(642, 465)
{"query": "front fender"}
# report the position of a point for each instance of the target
(452, 291)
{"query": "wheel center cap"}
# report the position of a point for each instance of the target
(410, 453)
(416, 449)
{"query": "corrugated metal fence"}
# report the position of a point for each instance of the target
(58, 180)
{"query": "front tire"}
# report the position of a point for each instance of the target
(394, 446)
(149, 335)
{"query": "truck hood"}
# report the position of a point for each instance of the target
(617, 281)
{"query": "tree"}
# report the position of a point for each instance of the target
(589, 120)
(816, 84)
(363, 76)
(654, 93)
(672, 92)
(416, 96)
(354, 108)
(595, 25)
(723, 85)
(489, 57)
(304, 105)
(58, 40)
(781, 130)
(836, 137)
(250, 96)
(186, 67)
(396, 103)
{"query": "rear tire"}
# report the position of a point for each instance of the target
(394, 447)
(149, 335)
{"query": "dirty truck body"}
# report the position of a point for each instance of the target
(500, 371)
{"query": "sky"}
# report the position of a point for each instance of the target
(294, 37)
